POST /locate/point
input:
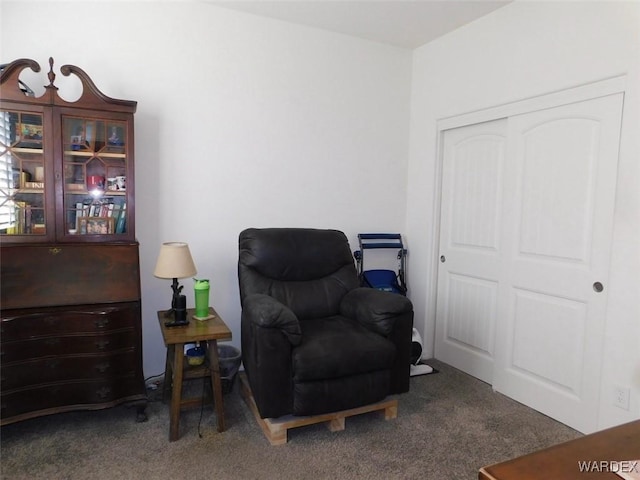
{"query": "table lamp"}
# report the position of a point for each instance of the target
(174, 261)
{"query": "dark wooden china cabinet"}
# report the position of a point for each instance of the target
(71, 333)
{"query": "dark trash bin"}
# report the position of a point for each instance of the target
(230, 360)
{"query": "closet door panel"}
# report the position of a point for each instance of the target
(469, 275)
(559, 204)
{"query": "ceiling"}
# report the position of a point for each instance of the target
(406, 24)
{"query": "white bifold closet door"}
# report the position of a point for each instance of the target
(526, 225)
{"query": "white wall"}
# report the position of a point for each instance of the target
(523, 50)
(242, 121)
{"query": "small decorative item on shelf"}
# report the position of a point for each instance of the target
(115, 137)
(96, 225)
(31, 136)
(95, 182)
(21, 178)
(118, 183)
(195, 355)
(78, 140)
(37, 180)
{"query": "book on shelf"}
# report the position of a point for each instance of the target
(107, 207)
(122, 219)
(25, 216)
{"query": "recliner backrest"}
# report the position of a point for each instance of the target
(309, 270)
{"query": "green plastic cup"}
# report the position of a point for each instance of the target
(202, 298)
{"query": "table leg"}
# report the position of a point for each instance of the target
(176, 394)
(168, 374)
(216, 383)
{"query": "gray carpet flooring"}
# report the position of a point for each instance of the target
(448, 426)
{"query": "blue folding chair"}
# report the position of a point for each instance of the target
(380, 279)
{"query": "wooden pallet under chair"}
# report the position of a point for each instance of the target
(275, 429)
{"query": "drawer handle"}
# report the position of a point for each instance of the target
(53, 364)
(101, 322)
(103, 393)
(52, 341)
(55, 250)
(102, 344)
(102, 367)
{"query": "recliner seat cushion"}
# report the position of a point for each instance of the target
(333, 395)
(336, 347)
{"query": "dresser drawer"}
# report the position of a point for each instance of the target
(91, 319)
(66, 368)
(75, 274)
(77, 345)
(67, 396)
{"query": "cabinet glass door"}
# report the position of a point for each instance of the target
(95, 182)
(22, 174)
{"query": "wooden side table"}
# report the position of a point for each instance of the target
(203, 331)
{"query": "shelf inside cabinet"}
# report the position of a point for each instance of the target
(27, 150)
(91, 153)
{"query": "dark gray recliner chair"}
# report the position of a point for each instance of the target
(313, 340)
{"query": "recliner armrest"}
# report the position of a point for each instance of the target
(266, 312)
(374, 308)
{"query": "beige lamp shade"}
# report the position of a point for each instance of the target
(174, 261)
